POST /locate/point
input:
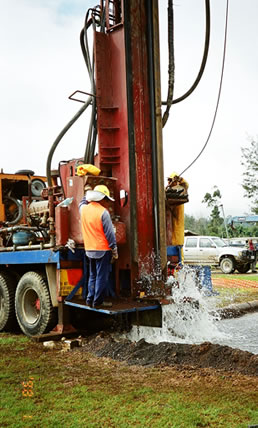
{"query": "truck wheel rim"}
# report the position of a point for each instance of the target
(31, 306)
(227, 266)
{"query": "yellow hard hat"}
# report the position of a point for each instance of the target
(101, 188)
(174, 174)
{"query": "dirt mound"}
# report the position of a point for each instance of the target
(206, 355)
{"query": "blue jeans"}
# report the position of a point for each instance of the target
(99, 278)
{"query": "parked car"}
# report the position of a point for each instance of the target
(213, 251)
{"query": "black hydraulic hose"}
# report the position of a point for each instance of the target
(93, 119)
(94, 139)
(153, 126)
(88, 148)
(83, 46)
(60, 136)
(92, 134)
(219, 92)
(90, 100)
(87, 24)
(204, 58)
(103, 20)
(171, 62)
(205, 54)
(91, 139)
(86, 59)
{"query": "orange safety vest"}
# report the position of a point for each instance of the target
(92, 228)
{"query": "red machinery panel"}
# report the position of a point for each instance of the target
(62, 225)
(75, 188)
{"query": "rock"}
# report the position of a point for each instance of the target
(67, 345)
(50, 344)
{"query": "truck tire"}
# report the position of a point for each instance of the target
(34, 311)
(244, 268)
(7, 293)
(227, 265)
(37, 186)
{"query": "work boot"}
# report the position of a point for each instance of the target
(89, 303)
(102, 305)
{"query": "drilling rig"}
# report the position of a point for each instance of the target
(43, 267)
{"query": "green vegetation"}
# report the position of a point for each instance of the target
(50, 388)
(215, 223)
(250, 163)
(197, 225)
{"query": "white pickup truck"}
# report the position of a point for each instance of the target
(213, 251)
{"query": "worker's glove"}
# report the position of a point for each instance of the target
(114, 255)
(71, 245)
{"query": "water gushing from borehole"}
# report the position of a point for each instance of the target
(190, 318)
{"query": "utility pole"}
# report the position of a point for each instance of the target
(225, 224)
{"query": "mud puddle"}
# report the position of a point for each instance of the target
(189, 336)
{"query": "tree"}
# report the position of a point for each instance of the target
(212, 201)
(250, 182)
(198, 225)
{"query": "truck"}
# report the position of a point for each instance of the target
(213, 251)
(43, 267)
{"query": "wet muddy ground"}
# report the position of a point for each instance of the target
(206, 355)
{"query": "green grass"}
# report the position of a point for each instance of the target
(245, 277)
(232, 294)
(12, 340)
(75, 389)
(228, 296)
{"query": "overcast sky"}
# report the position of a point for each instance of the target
(42, 65)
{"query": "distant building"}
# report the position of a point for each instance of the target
(244, 220)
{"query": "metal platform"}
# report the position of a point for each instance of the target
(119, 306)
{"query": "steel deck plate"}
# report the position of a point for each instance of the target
(117, 308)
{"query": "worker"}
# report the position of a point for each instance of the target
(177, 186)
(99, 243)
(251, 247)
(177, 189)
